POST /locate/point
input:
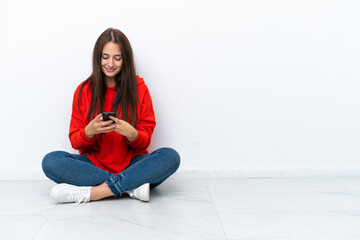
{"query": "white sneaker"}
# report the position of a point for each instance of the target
(142, 193)
(69, 193)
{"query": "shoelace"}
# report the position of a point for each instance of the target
(79, 196)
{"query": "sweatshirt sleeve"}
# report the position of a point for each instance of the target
(146, 124)
(77, 125)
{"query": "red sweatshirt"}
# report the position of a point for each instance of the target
(111, 151)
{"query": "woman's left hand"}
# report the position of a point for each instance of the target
(125, 129)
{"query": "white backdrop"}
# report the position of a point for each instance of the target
(251, 84)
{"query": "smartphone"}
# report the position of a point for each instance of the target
(106, 115)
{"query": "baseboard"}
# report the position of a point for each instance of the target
(224, 173)
(262, 173)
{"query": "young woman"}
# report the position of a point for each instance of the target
(113, 155)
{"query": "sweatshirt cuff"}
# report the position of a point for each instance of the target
(85, 138)
(137, 140)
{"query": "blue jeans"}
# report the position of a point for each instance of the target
(75, 169)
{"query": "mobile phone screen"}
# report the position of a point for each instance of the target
(106, 115)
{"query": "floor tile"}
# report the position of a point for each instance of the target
(27, 205)
(286, 202)
(253, 208)
(160, 203)
(292, 224)
(23, 188)
(133, 226)
(352, 184)
(183, 185)
(303, 238)
(265, 185)
(26, 198)
(20, 227)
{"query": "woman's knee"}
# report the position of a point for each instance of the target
(172, 157)
(51, 159)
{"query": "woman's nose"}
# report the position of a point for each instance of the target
(111, 62)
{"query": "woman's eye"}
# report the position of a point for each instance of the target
(117, 59)
(105, 57)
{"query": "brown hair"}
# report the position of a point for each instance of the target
(126, 98)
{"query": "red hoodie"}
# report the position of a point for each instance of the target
(111, 151)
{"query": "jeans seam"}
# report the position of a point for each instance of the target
(111, 183)
(122, 174)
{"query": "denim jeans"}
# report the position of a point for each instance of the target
(75, 169)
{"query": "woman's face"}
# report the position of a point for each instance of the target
(111, 59)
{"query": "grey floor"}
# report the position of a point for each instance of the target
(250, 208)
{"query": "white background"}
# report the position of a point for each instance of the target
(235, 84)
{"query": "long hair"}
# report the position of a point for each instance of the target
(126, 99)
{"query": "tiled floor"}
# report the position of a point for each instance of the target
(250, 208)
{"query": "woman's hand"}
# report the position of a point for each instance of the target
(97, 125)
(125, 129)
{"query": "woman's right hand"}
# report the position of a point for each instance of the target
(97, 125)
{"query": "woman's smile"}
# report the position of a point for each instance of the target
(111, 61)
(110, 70)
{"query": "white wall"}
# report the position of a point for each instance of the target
(235, 84)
